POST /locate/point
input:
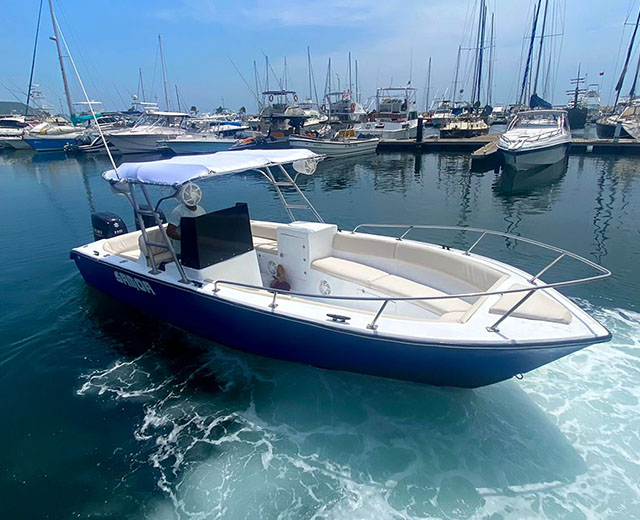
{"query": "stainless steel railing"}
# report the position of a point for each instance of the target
(407, 228)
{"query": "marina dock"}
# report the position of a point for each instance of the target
(483, 147)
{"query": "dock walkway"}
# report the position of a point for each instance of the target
(483, 147)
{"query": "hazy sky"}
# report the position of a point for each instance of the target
(111, 39)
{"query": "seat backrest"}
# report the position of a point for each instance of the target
(160, 254)
(450, 263)
(368, 245)
(264, 229)
(122, 243)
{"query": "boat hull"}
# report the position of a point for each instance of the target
(273, 335)
(50, 144)
(16, 143)
(336, 148)
(521, 160)
(462, 133)
(198, 147)
(137, 143)
(608, 131)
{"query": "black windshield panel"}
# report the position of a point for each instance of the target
(215, 237)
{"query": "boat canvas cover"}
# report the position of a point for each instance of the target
(178, 170)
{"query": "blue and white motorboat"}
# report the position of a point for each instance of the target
(52, 136)
(380, 305)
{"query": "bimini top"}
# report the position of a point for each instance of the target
(178, 170)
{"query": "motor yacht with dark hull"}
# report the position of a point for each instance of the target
(379, 305)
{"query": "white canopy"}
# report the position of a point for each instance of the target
(181, 169)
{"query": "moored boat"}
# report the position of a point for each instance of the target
(342, 145)
(535, 138)
(384, 306)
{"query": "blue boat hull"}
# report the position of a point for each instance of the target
(272, 335)
(49, 145)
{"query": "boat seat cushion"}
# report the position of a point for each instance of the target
(264, 229)
(160, 254)
(265, 245)
(398, 286)
(539, 306)
(348, 270)
(124, 245)
(368, 245)
(450, 263)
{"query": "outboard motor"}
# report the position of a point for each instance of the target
(148, 220)
(107, 225)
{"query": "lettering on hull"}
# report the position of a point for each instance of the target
(135, 283)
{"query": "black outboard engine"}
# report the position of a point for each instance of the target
(107, 225)
(149, 221)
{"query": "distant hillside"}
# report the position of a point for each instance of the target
(15, 107)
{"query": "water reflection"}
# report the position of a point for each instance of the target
(512, 182)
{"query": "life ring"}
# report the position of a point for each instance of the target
(270, 97)
(353, 107)
(295, 97)
(345, 95)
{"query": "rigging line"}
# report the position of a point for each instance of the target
(33, 60)
(89, 104)
(255, 95)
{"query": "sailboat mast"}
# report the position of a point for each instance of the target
(626, 61)
(65, 83)
(350, 83)
(483, 20)
(164, 74)
(33, 61)
(544, 25)
(178, 98)
(526, 75)
(490, 72)
(455, 80)
(309, 72)
(144, 98)
(428, 84)
(575, 95)
(357, 86)
(255, 77)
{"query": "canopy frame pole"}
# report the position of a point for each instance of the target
(143, 228)
(165, 238)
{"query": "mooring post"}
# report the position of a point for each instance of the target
(419, 131)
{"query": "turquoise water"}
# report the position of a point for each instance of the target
(107, 413)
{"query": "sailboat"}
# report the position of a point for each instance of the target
(577, 112)
(471, 120)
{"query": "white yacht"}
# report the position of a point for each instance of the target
(395, 116)
(535, 138)
(11, 129)
(380, 305)
(145, 135)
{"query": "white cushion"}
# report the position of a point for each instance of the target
(347, 270)
(124, 245)
(395, 285)
(265, 245)
(160, 254)
(264, 229)
(450, 263)
(369, 245)
(538, 306)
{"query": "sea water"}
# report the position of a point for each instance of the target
(108, 413)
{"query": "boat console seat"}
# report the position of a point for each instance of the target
(160, 254)
(265, 236)
(124, 245)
